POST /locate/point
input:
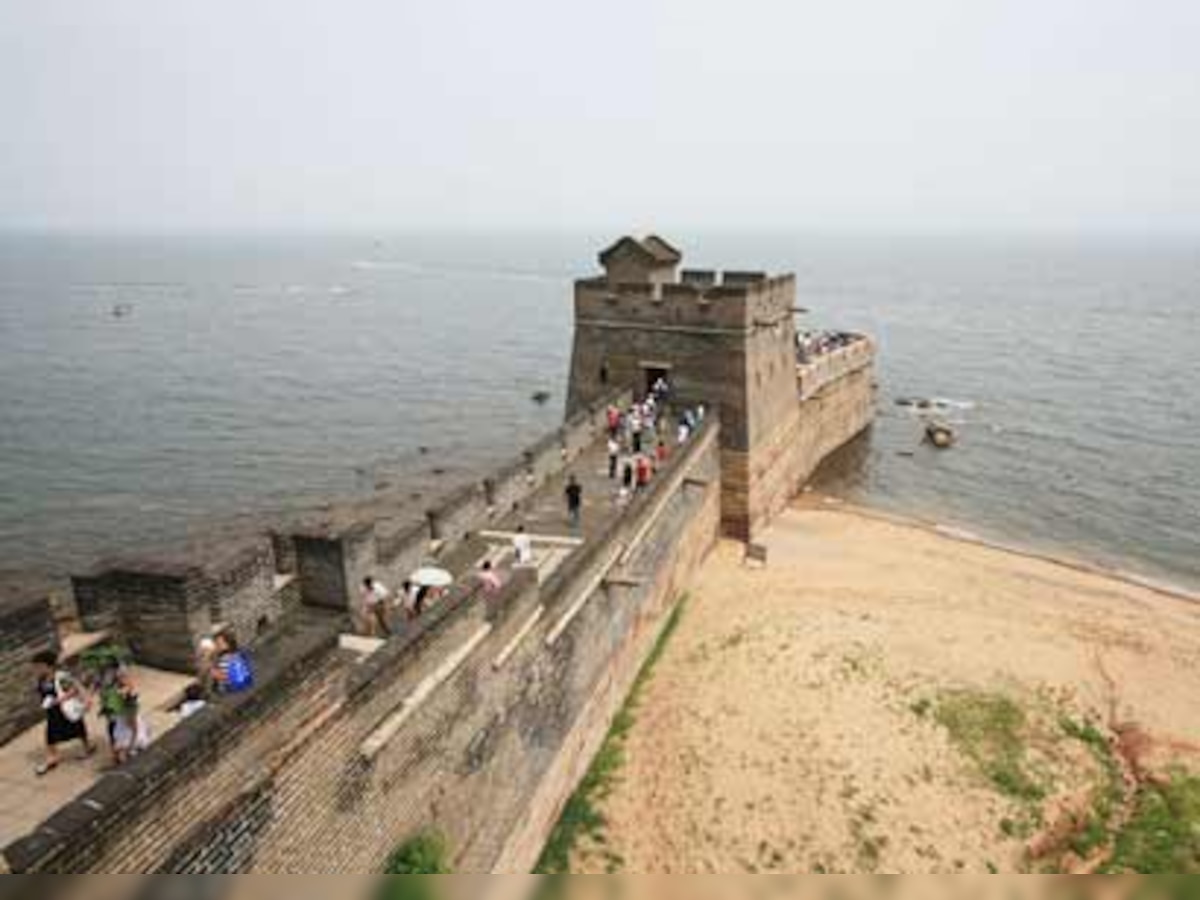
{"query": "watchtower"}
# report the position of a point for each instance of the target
(724, 339)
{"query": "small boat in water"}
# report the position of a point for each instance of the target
(940, 435)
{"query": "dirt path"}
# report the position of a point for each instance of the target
(883, 698)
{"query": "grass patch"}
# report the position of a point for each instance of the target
(581, 817)
(1096, 832)
(423, 854)
(990, 730)
(1163, 835)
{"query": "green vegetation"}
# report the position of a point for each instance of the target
(1094, 832)
(581, 817)
(1163, 834)
(104, 657)
(990, 730)
(423, 854)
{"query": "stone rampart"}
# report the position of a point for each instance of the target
(161, 607)
(477, 724)
(26, 628)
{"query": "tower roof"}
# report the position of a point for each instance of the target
(653, 250)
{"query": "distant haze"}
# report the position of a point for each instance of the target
(377, 114)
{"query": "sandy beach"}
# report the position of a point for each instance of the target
(881, 697)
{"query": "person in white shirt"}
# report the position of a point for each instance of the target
(375, 608)
(614, 451)
(522, 547)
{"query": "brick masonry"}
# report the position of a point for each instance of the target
(277, 782)
(26, 628)
(727, 340)
(332, 762)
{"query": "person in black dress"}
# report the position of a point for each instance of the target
(56, 688)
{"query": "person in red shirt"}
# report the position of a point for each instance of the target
(662, 452)
(643, 471)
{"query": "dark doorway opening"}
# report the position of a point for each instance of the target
(653, 375)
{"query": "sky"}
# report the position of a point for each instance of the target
(529, 114)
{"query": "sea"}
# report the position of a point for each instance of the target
(155, 387)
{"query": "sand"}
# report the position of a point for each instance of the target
(791, 724)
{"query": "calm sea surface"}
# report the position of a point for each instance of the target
(257, 374)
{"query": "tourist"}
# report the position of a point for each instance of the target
(193, 701)
(231, 670)
(522, 547)
(684, 433)
(574, 495)
(375, 598)
(490, 579)
(614, 451)
(129, 731)
(635, 430)
(117, 694)
(627, 474)
(643, 472)
(614, 420)
(65, 707)
(661, 452)
(422, 594)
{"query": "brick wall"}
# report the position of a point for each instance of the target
(158, 608)
(26, 627)
(399, 553)
(241, 591)
(321, 571)
(758, 484)
(162, 607)
(279, 781)
(462, 513)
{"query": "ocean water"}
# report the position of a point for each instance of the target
(265, 375)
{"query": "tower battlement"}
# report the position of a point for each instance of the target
(700, 299)
(724, 338)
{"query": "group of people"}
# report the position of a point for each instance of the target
(638, 438)
(810, 344)
(107, 685)
(380, 607)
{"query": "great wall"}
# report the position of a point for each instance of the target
(479, 719)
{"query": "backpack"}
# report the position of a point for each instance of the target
(239, 674)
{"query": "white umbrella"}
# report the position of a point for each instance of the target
(432, 576)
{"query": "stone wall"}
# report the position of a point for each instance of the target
(476, 724)
(161, 608)
(461, 514)
(758, 484)
(26, 628)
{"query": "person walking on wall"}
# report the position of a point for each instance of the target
(231, 669)
(63, 701)
(643, 472)
(614, 451)
(574, 495)
(522, 547)
(489, 579)
(375, 598)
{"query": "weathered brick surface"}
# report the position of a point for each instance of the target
(730, 345)
(276, 782)
(459, 515)
(26, 627)
(399, 553)
(321, 570)
(162, 607)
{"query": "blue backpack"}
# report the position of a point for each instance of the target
(240, 675)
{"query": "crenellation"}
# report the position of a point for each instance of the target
(479, 718)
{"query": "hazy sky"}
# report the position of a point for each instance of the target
(840, 114)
